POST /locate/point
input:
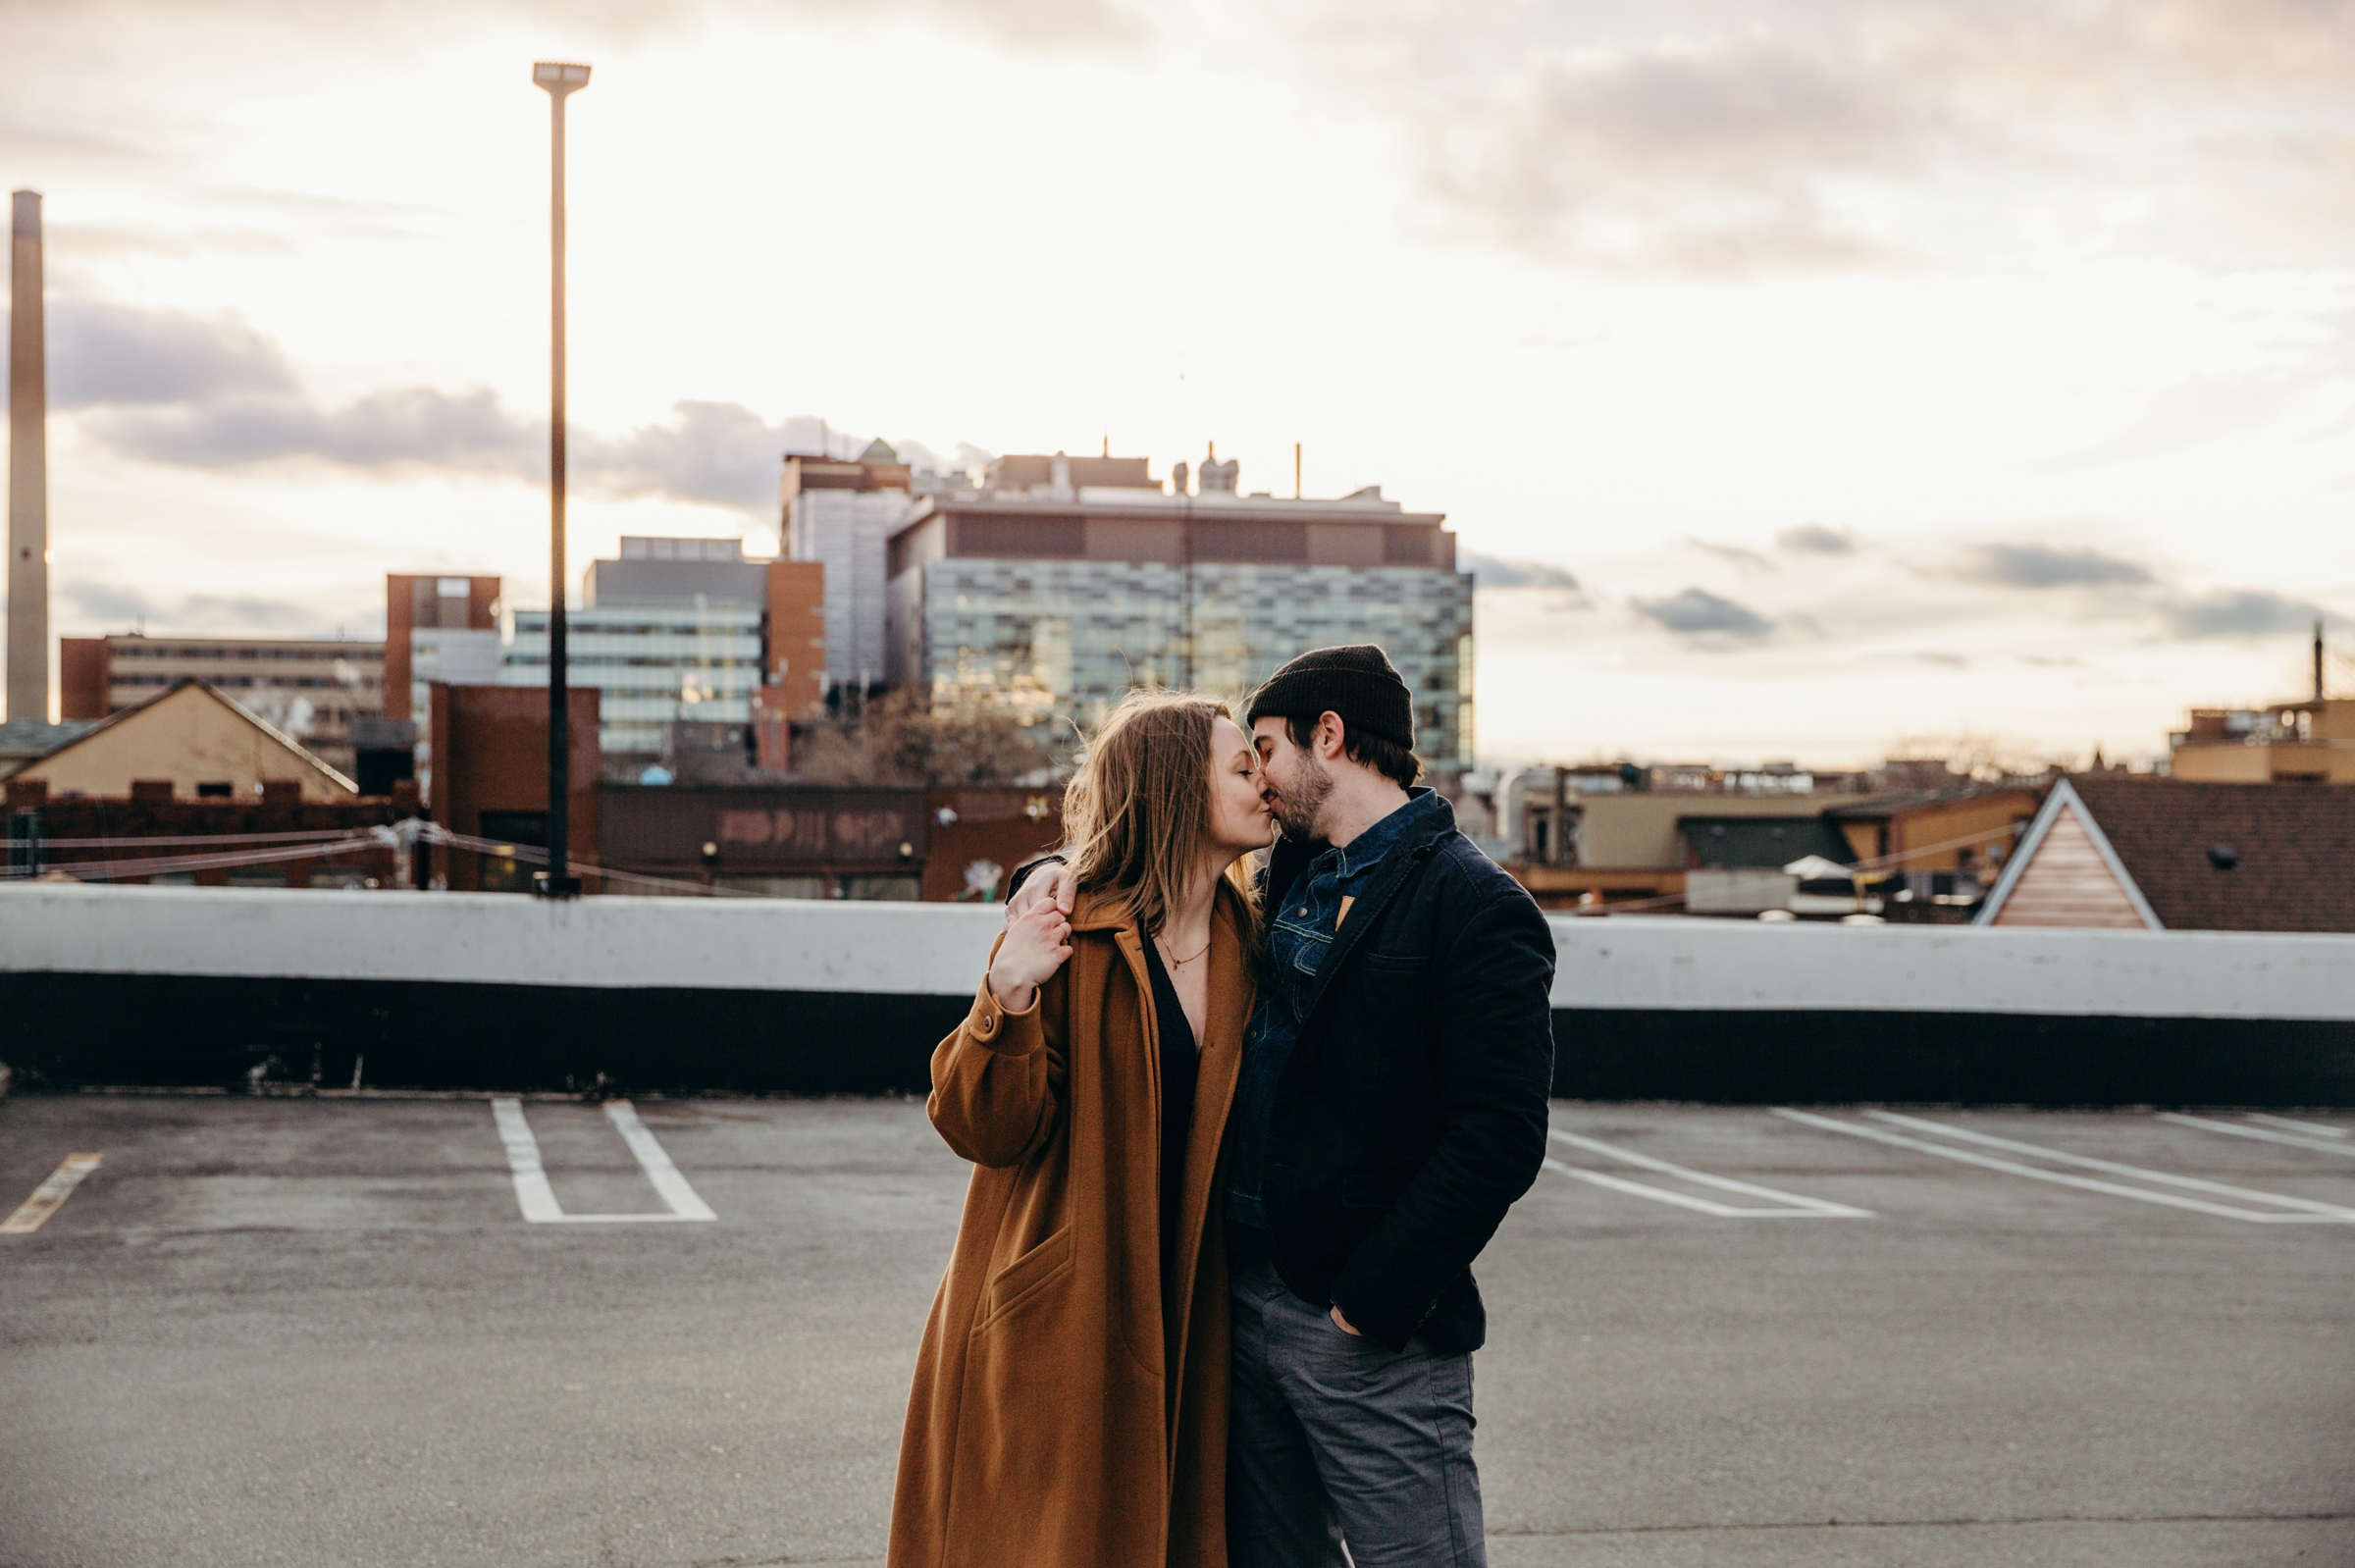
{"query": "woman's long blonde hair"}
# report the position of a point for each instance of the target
(1137, 816)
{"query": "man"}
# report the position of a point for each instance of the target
(1392, 1106)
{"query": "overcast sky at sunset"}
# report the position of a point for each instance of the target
(1805, 377)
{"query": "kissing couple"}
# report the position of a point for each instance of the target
(1260, 1063)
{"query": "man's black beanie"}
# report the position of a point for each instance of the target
(1358, 683)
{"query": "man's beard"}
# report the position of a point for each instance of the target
(1299, 808)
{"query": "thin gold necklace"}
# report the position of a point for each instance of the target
(1174, 961)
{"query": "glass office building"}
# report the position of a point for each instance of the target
(1056, 599)
(672, 630)
(651, 664)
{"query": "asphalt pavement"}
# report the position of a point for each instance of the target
(327, 1331)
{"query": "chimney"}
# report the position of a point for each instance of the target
(28, 471)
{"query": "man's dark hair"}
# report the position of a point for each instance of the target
(1391, 759)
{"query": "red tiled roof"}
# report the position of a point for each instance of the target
(2293, 846)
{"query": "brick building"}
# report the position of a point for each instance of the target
(489, 744)
(151, 836)
(314, 689)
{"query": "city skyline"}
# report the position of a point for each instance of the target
(1784, 412)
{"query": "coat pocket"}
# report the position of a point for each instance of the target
(1027, 1279)
(1032, 1466)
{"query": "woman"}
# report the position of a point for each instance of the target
(1070, 1407)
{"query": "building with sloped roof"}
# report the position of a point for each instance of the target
(2155, 854)
(1720, 843)
(191, 737)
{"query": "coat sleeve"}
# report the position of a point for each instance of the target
(997, 1080)
(1493, 1011)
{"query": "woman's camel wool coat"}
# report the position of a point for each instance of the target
(1061, 1417)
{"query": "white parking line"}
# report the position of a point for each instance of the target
(538, 1199)
(2310, 1213)
(658, 1169)
(54, 1190)
(531, 1191)
(2298, 1127)
(1793, 1205)
(2238, 1131)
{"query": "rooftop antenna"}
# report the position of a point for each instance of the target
(2317, 658)
(1296, 470)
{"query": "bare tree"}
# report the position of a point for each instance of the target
(902, 739)
(1972, 755)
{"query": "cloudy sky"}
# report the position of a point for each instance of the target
(1806, 379)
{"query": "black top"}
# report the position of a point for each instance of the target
(1180, 1061)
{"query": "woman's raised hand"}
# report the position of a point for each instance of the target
(1035, 947)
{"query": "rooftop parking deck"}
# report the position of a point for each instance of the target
(331, 1331)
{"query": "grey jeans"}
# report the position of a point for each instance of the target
(1334, 1438)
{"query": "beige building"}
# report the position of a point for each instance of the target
(2312, 740)
(1624, 845)
(312, 688)
(191, 736)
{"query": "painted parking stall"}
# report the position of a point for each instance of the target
(1775, 1205)
(50, 1195)
(535, 1195)
(2036, 1162)
(2115, 1378)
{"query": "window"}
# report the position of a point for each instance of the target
(509, 873)
(1222, 540)
(1407, 546)
(1023, 537)
(903, 889)
(777, 887)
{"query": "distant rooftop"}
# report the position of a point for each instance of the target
(653, 548)
(24, 739)
(657, 571)
(2231, 857)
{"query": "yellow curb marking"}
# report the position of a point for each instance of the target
(49, 1194)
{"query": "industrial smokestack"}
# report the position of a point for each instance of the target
(28, 471)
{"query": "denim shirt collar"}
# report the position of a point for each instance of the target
(1369, 847)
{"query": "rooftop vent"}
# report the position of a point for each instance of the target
(2224, 857)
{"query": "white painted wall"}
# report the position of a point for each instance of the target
(941, 949)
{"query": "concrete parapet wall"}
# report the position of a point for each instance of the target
(894, 949)
(199, 985)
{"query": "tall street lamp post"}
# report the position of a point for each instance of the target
(561, 81)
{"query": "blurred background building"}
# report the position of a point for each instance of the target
(314, 689)
(841, 517)
(1059, 583)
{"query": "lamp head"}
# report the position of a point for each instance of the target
(560, 77)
